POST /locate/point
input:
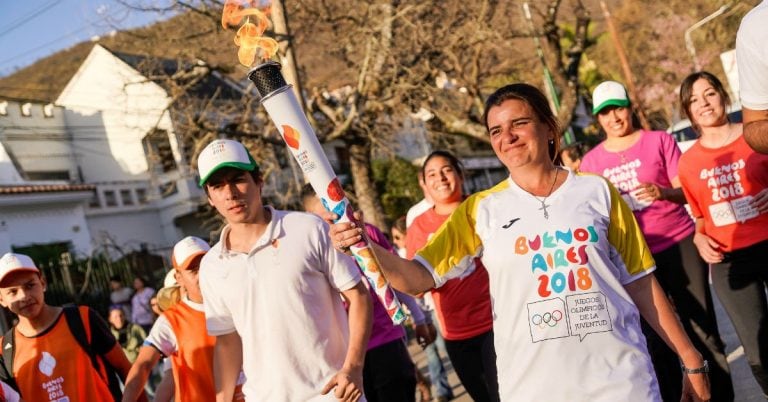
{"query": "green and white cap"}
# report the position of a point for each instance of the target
(609, 93)
(223, 153)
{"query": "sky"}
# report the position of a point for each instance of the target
(33, 29)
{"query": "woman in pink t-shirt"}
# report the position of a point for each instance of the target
(726, 183)
(643, 167)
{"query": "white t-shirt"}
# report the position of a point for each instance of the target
(565, 329)
(752, 58)
(283, 300)
(416, 210)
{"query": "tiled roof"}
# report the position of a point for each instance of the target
(43, 188)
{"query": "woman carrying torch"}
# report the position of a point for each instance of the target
(568, 268)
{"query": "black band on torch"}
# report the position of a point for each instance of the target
(267, 78)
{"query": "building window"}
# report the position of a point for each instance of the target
(4, 108)
(141, 195)
(49, 175)
(126, 197)
(110, 198)
(48, 110)
(26, 109)
(157, 147)
(94, 201)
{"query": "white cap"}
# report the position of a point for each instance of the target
(12, 262)
(223, 153)
(609, 93)
(185, 251)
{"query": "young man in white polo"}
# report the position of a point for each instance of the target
(272, 287)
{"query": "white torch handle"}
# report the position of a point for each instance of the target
(285, 111)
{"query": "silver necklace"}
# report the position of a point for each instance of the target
(544, 205)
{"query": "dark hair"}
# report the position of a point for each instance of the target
(686, 91)
(451, 158)
(400, 224)
(255, 174)
(575, 151)
(116, 278)
(538, 103)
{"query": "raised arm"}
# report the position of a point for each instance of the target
(756, 129)
(404, 275)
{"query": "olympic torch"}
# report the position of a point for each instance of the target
(284, 110)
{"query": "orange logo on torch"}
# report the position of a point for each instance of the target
(249, 36)
(291, 136)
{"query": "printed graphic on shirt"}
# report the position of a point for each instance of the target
(624, 177)
(730, 203)
(55, 387)
(579, 315)
(560, 263)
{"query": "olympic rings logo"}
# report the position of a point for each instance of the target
(547, 319)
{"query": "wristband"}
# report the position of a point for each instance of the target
(703, 369)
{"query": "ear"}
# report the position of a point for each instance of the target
(2, 300)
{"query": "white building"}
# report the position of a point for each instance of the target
(111, 146)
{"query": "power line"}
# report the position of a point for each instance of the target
(29, 17)
(59, 39)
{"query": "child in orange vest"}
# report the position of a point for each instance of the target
(48, 362)
(179, 333)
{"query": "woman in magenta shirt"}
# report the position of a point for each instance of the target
(643, 167)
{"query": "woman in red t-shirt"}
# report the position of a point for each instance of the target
(463, 305)
(726, 184)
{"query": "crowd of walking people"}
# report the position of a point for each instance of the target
(584, 275)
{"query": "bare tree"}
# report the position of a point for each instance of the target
(366, 67)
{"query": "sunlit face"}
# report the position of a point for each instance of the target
(616, 121)
(117, 318)
(442, 181)
(235, 194)
(189, 279)
(518, 137)
(706, 108)
(23, 293)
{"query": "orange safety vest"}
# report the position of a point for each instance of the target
(193, 360)
(52, 366)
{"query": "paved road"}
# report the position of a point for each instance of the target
(746, 387)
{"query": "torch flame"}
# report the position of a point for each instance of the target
(249, 35)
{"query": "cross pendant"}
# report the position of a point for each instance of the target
(544, 208)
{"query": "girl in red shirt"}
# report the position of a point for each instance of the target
(463, 305)
(726, 184)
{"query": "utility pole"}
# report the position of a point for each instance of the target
(689, 41)
(628, 77)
